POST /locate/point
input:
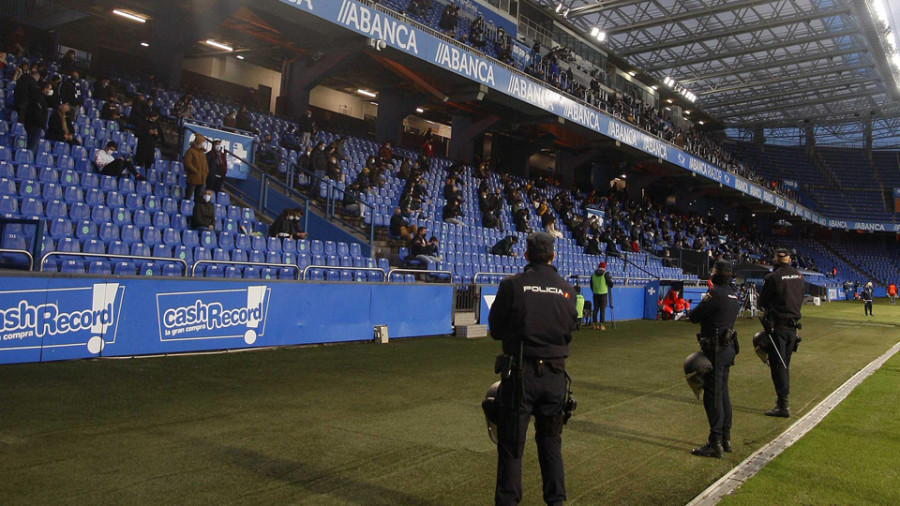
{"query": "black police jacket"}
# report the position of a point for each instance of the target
(537, 306)
(717, 311)
(782, 293)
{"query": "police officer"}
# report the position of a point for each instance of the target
(716, 314)
(781, 297)
(868, 297)
(534, 315)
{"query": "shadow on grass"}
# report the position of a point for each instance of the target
(629, 435)
(635, 393)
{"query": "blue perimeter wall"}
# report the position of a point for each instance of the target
(628, 302)
(57, 318)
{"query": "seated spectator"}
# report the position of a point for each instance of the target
(420, 249)
(229, 120)
(362, 179)
(351, 200)
(110, 111)
(549, 223)
(340, 149)
(242, 120)
(110, 165)
(204, 217)
(60, 127)
(266, 154)
(102, 89)
(399, 228)
(183, 109)
(334, 171)
(287, 224)
(451, 211)
(385, 155)
(521, 220)
(67, 63)
(504, 247)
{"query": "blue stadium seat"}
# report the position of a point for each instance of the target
(117, 248)
(115, 200)
(187, 207)
(7, 170)
(141, 218)
(152, 203)
(108, 183)
(208, 239)
(161, 219)
(99, 267)
(71, 266)
(268, 273)
(133, 202)
(9, 206)
(222, 198)
(169, 206)
(93, 246)
(162, 251)
(7, 187)
(171, 237)
(142, 188)
(184, 253)
(108, 232)
(101, 214)
(79, 211)
(124, 268)
(226, 241)
(121, 216)
(49, 175)
(242, 241)
(233, 272)
(30, 188)
(131, 234)
(190, 238)
(230, 226)
(24, 156)
(274, 244)
(201, 253)
(60, 228)
(257, 256)
(214, 271)
(90, 180)
(85, 229)
(259, 243)
(288, 245)
(31, 207)
(171, 270)
(93, 197)
(125, 185)
(251, 272)
(316, 247)
(152, 236)
(150, 269)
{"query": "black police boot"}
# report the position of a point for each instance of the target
(781, 410)
(726, 440)
(712, 448)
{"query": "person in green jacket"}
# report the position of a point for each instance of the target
(579, 307)
(601, 283)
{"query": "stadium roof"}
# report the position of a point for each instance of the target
(775, 63)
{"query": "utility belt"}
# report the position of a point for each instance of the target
(723, 338)
(791, 324)
(505, 365)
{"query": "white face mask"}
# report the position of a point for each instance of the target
(322, 148)
(49, 93)
(220, 148)
(207, 197)
(110, 151)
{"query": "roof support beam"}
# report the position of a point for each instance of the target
(796, 105)
(785, 95)
(767, 65)
(782, 78)
(688, 14)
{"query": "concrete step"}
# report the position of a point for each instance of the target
(470, 331)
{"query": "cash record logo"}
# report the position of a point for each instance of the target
(220, 314)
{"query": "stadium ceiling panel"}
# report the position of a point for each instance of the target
(751, 62)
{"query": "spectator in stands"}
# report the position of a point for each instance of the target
(218, 166)
(449, 19)
(102, 89)
(335, 173)
(415, 8)
(149, 134)
(22, 69)
(110, 111)
(549, 223)
(504, 247)
(287, 224)
(404, 171)
(67, 63)
(307, 127)
(266, 154)
(53, 100)
(420, 249)
(71, 92)
(26, 89)
(399, 228)
(304, 161)
(242, 120)
(476, 32)
(351, 200)
(60, 127)
(319, 162)
(385, 155)
(451, 192)
(521, 220)
(183, 109)
(427, 153)
(229, 120)
(108, 164)
(204, 215)
(451, 211)
(139, 111)
(35, 116)
(340, 149)
(195, 168)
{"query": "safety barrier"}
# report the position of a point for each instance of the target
(109, 255)
(449, 274)
(20, 252)
(255, 264)
(335, 268)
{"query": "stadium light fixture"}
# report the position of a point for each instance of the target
(601, 36)
(654, 87)
(130, 15)
(669, 81)
(366, 93)
(623, 176)
(240, 57)
(420, 110)
(218, 45)
(559, 7)
(144, 44)
(701, 122)
(632, 73)
(595, 31)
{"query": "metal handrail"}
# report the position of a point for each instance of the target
(110, 255)
(21, 252)
(235, 262)
(477, 274)
(330, 200)
(342, 268)
(419, 271)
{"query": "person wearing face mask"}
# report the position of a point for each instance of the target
(266, 155)
(319, 161)
(716, 315)
(60, 127)
(71, 92)
(333, 170)
(287, 224)
(149, 134)
(36, 114)
(111, 165)
(218, 166)
(204, 217)
(195, 168)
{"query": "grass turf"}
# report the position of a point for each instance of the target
(393, 424)
(849, 458)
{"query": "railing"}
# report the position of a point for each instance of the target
(331, 199)
(306, 269)
(255, 264)
(21, 252)
(109, 255)
(484, 274)
(420, 271)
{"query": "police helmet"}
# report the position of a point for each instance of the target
(696, 367)
(491, 407)
(761, 346)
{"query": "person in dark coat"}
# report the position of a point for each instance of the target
(24, 91)
(204, 215)
(36, 113)
(149, 134)
(60, 127)
(71, 91)
(218, 166)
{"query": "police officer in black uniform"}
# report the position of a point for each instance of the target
(534, 315)
(716, 315)
(781, 297)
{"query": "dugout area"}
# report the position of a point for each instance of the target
(360, 423)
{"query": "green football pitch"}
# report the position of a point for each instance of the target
(396, 424)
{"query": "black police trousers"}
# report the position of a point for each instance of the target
(716, 399)
(868, 307)
(785, 338)
(600, 306)
(544, 397)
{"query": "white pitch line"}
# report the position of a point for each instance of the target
(749, 467)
